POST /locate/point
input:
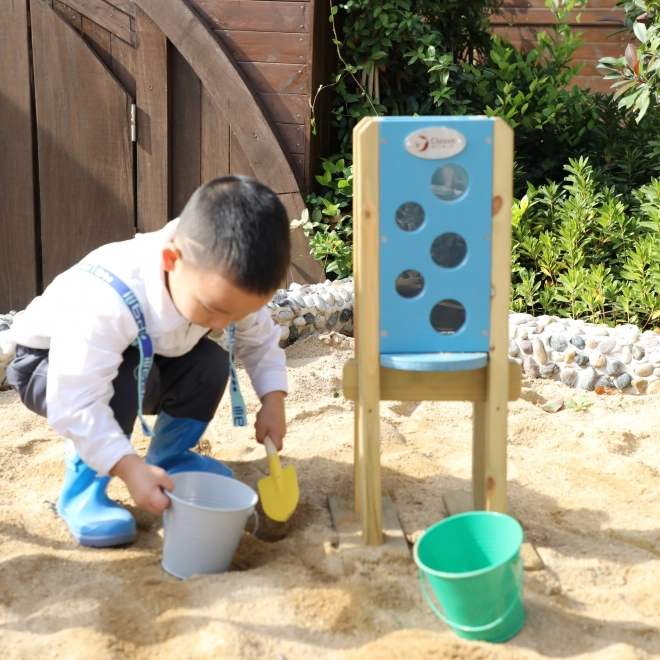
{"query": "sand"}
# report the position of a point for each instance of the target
(585, 486)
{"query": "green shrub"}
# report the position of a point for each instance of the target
(579, 251)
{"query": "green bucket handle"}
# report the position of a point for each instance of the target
(520, 568)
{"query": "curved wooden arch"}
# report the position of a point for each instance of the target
(229, 88)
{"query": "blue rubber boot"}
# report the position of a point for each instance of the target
(170, 447)
(91, 516)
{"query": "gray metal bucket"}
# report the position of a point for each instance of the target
(204, 523)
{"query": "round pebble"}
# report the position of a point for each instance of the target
(607, 346)
(581, 360)
(597, 360)
(570, 354)
(640, 384)
(578, 342)
(604, 381)
(280, 299)
(591, 343)
(284, 332)
(558, 343)
(615, 368)
(309, 318)
(520, 318)
(526, 347)
(587, 379)
(522, 333)
(599, 332)
(513, 348)
(299, 321)
(531, 368)
(539, 351)
(654, 387)
(549, 370)
(556, 356)
(332, 321)
(285, 315)
(346, 315)
(3, 326)
(623, 381)
(309, 301)
(319, 322)
(328, 298)
(626, 355)
(644, 370)
(568, 376)
(319, 303)
(293, 334)
(638, 352)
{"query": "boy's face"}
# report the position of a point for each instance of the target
(205, 297)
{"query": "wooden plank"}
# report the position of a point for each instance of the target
(544, 17)
(347, 524)
(594, 84)
(82, 113)
(277, 78)
(71, 16)
(606, 4)
(261, 16)
(105, 15)
(479, 455)
(230, 89)
(127, 6)
(215, 140)
(153, 161)
(250, 46)
(526, 34)
(239, 163)
(366, 328)
(495, 413)
(123, 63)
(304, 268)
(186, 132)
(285, 108)
(99, 39)
(396, 385)
(18, 247)
(298, 162)
(293, 136)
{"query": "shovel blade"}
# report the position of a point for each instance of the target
(279, 497)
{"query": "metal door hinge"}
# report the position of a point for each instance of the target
(133, 122)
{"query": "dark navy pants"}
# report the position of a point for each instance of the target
(189, 386)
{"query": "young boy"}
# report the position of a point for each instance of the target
(216, 266)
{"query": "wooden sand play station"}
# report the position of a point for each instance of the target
(432, 216)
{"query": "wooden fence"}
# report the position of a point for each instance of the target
(521, 20)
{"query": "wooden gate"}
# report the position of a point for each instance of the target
(113, 113)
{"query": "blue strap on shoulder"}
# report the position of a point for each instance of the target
(144, 342)
(237, 403)
(146, 346)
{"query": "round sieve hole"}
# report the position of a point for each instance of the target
(449, 250)
(449, 182)
(409, 216)
(409, 284)
(448, 317)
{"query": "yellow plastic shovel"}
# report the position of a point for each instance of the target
(279, 492)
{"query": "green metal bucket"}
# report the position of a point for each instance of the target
(472, 563)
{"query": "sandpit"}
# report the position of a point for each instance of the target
(585, 486)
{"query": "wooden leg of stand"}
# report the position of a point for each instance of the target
(479, 456)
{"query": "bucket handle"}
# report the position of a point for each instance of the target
(256, 523)
(474, 629)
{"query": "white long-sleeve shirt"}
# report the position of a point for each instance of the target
(87, 327)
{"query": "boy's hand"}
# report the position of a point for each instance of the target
(145, 482)
(271, 419)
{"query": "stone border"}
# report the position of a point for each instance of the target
(586, 355)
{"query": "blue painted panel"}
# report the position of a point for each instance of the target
(434, 361)
(405, 322)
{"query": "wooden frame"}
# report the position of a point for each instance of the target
(366, 382)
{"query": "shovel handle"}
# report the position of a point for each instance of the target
(270, 446)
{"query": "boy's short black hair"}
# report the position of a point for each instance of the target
(239, 227)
